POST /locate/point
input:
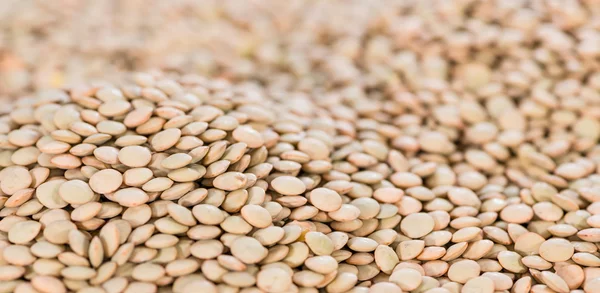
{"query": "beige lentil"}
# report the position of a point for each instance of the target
(288, 185)
(325, 199)
(407, 279)
(478, 284)
(417, 225)
(134, 156)
(230, 181)
(48, 284)
(76, 192)
(106, 181)
(484, 153)
(48, 194)
(273, 280)
(556, 250)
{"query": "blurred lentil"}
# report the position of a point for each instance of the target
(338, 146)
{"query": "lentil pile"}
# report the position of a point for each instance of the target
(64, 42)
(385, 151)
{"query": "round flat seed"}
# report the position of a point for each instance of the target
(249, 136)
(108, 155)
(556, 250)
(14, 178)
(130, 140)
(111, 127)
(572, 274)
(18, 198)
(23, 137)
(391, 288)
(325, 199)
(517, 214)
(23, 232)
(501, 281)
(176, 161)
(274, 280)
(407, 279)
(78, 242)
(95, 252)
(417, 225)
(529, 243)
(48, 284)
(135, 156)
(230, 181)
(137, 176)
(217, 168)
(386, 258)
(48, 194)
(345, 213)
(388, 194)
(165, 139)
(78, 273)
(114, 108)
(46, 249)
(131, 197)
(591, 285)
(314, 148)
(342, 282)
(319, 243)
(207, 249)
(57, 232)
(148, 272)
(466, 234)
(554, 281)
(288, 185)
(464, 270)
(134, 287)
(38, 175)
(18, 255)
(182, 267)
(159, 241)
(591, 234)
(511, 261)
(25, 156)
(138, 116)
(158, 184)
(106, 181)
(479, 285)
(181, 214)
(256, 216)
(83, 128)
(248, 250)
(9, 273)
(463, 197)
(321, 264)
(76, 192)
(208, 214)
(138, 215)
(362, 244)
(86, 211)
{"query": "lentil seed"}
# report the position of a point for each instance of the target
(322, 164)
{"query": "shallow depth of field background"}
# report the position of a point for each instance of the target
(63, 42)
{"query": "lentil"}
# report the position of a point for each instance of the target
(475, 140)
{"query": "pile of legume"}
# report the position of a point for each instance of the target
(401, 146)
(63, 42)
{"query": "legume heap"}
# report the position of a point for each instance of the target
(360, 146)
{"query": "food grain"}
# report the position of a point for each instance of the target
(370, 147)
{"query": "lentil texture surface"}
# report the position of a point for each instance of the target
(359, 146)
